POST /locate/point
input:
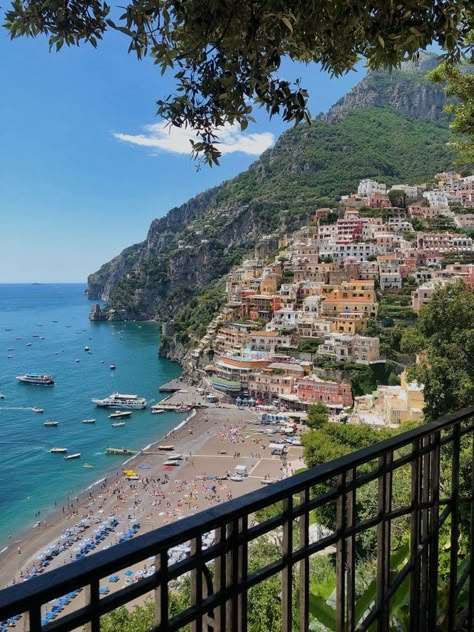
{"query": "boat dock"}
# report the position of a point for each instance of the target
(172, 386)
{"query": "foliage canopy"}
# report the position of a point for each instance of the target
(226, 55)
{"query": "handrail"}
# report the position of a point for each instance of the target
(59, 581)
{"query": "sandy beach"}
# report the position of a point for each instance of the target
(212, 443)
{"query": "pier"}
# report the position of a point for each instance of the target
(172, 386)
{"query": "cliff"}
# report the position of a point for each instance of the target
(389, 127)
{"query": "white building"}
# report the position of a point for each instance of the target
(436, 198)
(339, 252)
(367, 187)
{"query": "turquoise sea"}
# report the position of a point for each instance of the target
(54, 319)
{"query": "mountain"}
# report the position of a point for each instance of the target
(389, 127)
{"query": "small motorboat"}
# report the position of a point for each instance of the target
(51, 424)
(2, 396)
(166, 447)
(157, 411)
(28, 344)
(88, 421)
(87, 466)
(112, 367)
(35, 409)
(118, 424)
(120, 413)
(87, 348)
(237, 478)
(69, 457)
(58, 450)
(174, 462)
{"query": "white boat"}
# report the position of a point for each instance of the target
(119, 400)
(237, 478)
(118, 424)
(112, 367)
(51, 423)
(87, 349)
(36, 378)
(172, 462)
(88, 421)
(166, 447)
(120, 413)
(35, 409)
(58, 450)
(2, 396)
(157, 411)
(69, 457)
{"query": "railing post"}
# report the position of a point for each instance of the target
(196, 581)
(383, 541)
(92, 599)
(434, 530)
(32, 619)
(161, 591)
(415, 535)
(351, 554)
(304, 564)
(470, 614)
(341, 551)
(220, 583)
(453, 566)
(287, 572)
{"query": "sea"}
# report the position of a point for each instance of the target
(44, 328)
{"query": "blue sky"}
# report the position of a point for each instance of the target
(81, 174)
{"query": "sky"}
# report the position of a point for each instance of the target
(85, 165)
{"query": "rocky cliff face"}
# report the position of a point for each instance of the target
(405, 90)
(386, 127)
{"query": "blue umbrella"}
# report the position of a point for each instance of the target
(129, 573)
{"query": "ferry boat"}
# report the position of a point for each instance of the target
(118, 400)
(36, 378)
(120, 413)
(51, 423)
(69, 457)
(58, 450)
(118, 424)
(88, 421)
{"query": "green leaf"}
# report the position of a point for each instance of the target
(320, 610)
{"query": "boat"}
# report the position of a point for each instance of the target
(88, 421)
(236, 477)
(157, 411)
(118, 400)
(120, 413)
(166, 447)
(2, 396)
(58, 450)
(118, 424)
(172, 462)
(112, 367)
(69, 457)
(87, 348)
(51, 423)
(36, 409)
(36, 378)
(28, 344)
(87, 465)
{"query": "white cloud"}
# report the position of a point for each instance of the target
(162, 137)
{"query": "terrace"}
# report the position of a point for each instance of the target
(219, 567)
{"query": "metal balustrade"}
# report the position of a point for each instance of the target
(219, 575)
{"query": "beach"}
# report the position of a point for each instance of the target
(212, 442)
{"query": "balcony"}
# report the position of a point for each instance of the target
(439, 511)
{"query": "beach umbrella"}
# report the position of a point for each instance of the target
(129, 573)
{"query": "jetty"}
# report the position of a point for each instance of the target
(172, 386)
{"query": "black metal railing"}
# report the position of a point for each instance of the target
(439, 512)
